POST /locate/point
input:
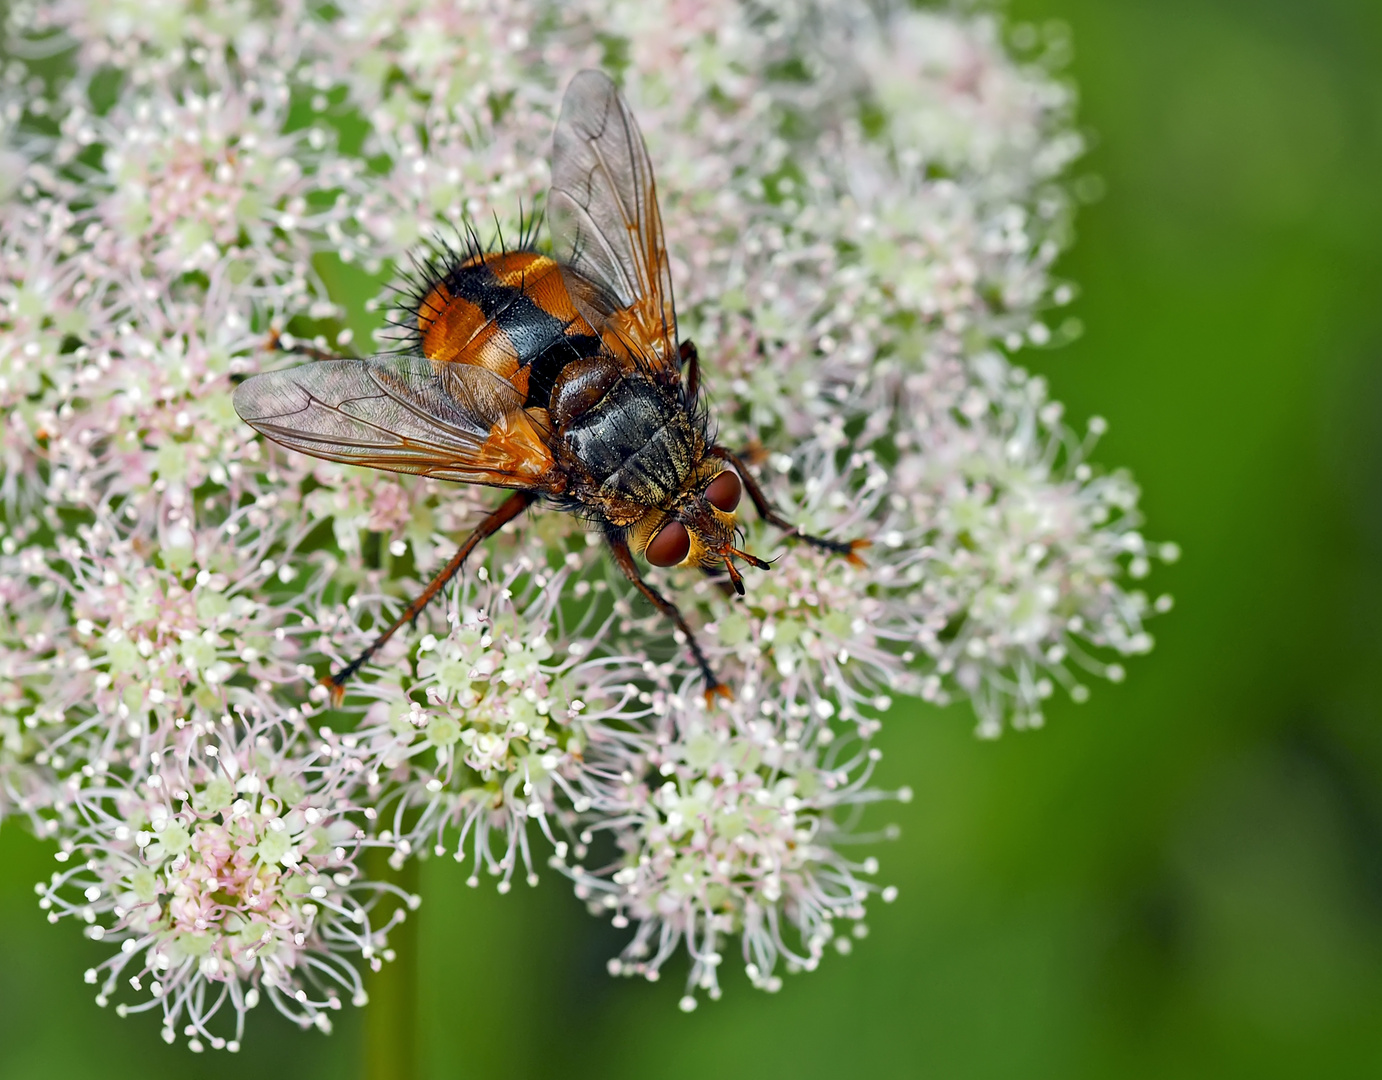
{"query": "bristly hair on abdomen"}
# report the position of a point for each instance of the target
(440, 257)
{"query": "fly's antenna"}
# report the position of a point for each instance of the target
(752, 560)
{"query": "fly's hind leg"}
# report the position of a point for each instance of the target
(623, 557)
(848, 548)
(509, 509)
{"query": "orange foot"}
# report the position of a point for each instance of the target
(336, 690)
(719, 690)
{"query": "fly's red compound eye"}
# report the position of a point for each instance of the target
(723, 492)
(670, 545)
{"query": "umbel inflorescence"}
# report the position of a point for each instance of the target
(862, 211)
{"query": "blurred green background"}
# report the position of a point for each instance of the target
(1182, 877)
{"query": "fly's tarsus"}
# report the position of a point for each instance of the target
(509, 509)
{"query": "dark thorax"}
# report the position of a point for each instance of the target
(630, 441)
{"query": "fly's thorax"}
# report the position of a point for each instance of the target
(580, 387)
(637, 442)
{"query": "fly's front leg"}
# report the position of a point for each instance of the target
(720, 581)
(623, 558)
(509, 509)
(848, 548)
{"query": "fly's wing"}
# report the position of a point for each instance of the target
(399, 413)
(606, 228)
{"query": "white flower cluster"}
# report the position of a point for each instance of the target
(862, 207)
(225, 871)
(724, 827)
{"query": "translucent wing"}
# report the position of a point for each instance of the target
(606, 227)
(399, 413)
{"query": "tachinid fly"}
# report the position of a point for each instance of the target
(561, 378)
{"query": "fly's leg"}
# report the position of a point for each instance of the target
(848, 548)
(623, 557)
(509, 509)
(720, 580)
(280, 341)
(691, 360)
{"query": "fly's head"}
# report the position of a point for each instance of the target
(700, 528)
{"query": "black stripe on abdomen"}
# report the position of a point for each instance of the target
(539, 339)
(547, 365)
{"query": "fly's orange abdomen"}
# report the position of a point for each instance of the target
(508, 312)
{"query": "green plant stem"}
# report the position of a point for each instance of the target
(390, 1018)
